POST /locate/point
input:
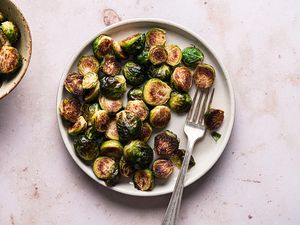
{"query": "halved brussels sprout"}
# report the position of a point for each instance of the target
(92, 94)
(94, 135)
(2, 17)
(138, 108)
(113, 87)
(156, 36)
(73, 83)
(166, 143)
(88, 112)
(10, 60)
(133, 44)
(143, 180)
(88, 63)
(160, 116)
(182, 78)
(105, 168)
(110, 66)
(125, 168)
(213, 119)
(143, 57)
(111, 106)
(112, 131)
(156, 92)
(162, 72)
(78, 127)
(158, 55)
(100, 120)
(70, 109)
(174, 55)
(102, 45)
(133, 73)
(128, 125)
(180, 101)
(191, 56)
(145, 132)
(204, 76)
(118, 50)
(178, 156)
(162, 168)
(87, 150)
(90, 80)
(135, 93)
(11, 31)
(139, 154)
(112, 149)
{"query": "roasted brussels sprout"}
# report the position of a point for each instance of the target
(105, 168)
(100, 120)
(78, 127)
(3, 39)
(88, 111)
(112, 149)
(145, 132)
(135, 93)
(143, 57)
(92, 94)
(88, 63)
(156, 92)
(11, 31)
(204, 76)
(125, 168)
(70, 109)
(156, 36)
(90, 80)
(174, 55)
(2, 17)
(160, 116)
(128, 125)
(110, 66)
(138, 108)
(138, 153)
(213, 119)
(182, 78)
(118, 50)
(166, 143)
(158, 55)
(10, 60)
(73, 83)
(111, 106)
(133, 44)
(113, 87)
(133, 73)
(162, 72)
(87, 150)
(191, 56)
(102, 45)
(143, 180)
(180, 101)
(178, 156)
(162, 168)
(94, 135)
(112, 131)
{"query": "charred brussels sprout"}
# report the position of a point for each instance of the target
(111, 106)
(113, 87)
(133, 73)
(139, 154)
(88, 63)
(112, 131)
(11, 31)
(174, 55)
(78, 127)
(118, 50)
(156, 36)
(160, 116)
(162, 168)
(90, 80)
(92, 94)
(158, 55)
(125, 168)
(88, 111)
(213, 119)
(73, 84)
(180, 101)
(135, 93)
(191, 56)
(128, 125)
(2, 17)
(105, 168)
(70, 109)
(87, 150)
(204, 76)
(182, 78)
(143, 57)
(100, 120)
(110, 66)
(143, 180)
(133, 44)
(112, 149)
(162, 72)
(156, 92)
(166, 143)
(178, 156)
(102, 45)
(10, 60)
(138, 108)
(145, 132)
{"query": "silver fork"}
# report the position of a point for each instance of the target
(194, 129)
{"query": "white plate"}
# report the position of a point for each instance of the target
(207, 151)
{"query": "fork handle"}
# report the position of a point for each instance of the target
(172, 212)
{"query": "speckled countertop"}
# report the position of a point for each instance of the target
(257, 179)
